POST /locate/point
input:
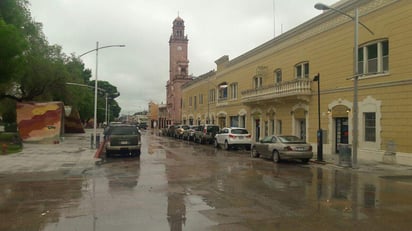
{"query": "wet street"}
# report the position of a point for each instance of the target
(179, 185)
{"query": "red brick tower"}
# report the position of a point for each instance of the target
(178, 70)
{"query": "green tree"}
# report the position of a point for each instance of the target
(33, 70)
(113, 107)
(12, 45)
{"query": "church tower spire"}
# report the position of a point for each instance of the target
(178, 70)
(178, 50)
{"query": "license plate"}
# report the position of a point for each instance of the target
(124, 142)
(241, 137)
(300, 148)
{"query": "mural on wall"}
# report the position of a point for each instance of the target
(40, 122)
(72, 121)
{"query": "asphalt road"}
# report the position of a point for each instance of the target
(178, 185)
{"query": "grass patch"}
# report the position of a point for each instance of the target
(12, 142)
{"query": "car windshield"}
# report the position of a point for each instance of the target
(185, 127)
(267, 139)
(239, 131)
(213, 129)
(291, 139)
(120, 130)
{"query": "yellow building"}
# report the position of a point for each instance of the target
(271, 89)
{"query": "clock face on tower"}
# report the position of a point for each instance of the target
(179, 48)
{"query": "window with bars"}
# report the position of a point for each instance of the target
(370, 126)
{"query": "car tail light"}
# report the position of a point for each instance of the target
(249, 136)
(232, 136)
(310, 148)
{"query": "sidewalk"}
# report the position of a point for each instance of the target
(370, 166)
(73, 154)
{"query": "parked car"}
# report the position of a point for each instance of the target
(189, 133)
(143, 125)
(165, 130)
(206, 133)
(171, 130)
(233, 137)
(282, 147)
(122, 139)
(179, 130)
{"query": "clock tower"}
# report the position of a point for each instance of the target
(178, 71)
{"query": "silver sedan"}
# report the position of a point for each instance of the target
(282, 147)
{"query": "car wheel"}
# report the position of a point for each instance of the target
(216, 144)
(305, 161)
(254, 153)
(247, 147)
(227, 146)
(136, 153)
(276, 157)
(107, 153)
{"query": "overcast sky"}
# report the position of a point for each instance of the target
(141, 69)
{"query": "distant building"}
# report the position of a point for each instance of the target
(153, 115)
(162, 115)
(178, 71)
(157, 115)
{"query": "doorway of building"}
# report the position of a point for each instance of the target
(341, 132)
(302, 129)
(222, 122)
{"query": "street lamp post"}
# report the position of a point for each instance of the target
(95, 86)
(105, 115)
(319, 134)
(208, 101)
(355, 18)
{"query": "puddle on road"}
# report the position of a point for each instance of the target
(30, 201)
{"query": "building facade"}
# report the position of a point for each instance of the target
(178, 71)
(271, 89)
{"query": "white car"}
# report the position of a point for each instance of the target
(233, 137)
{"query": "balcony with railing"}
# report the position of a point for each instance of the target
(291, 89)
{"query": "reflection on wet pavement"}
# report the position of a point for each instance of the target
(178, 185)
(30, 201)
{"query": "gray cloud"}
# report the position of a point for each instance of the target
(141, 69)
